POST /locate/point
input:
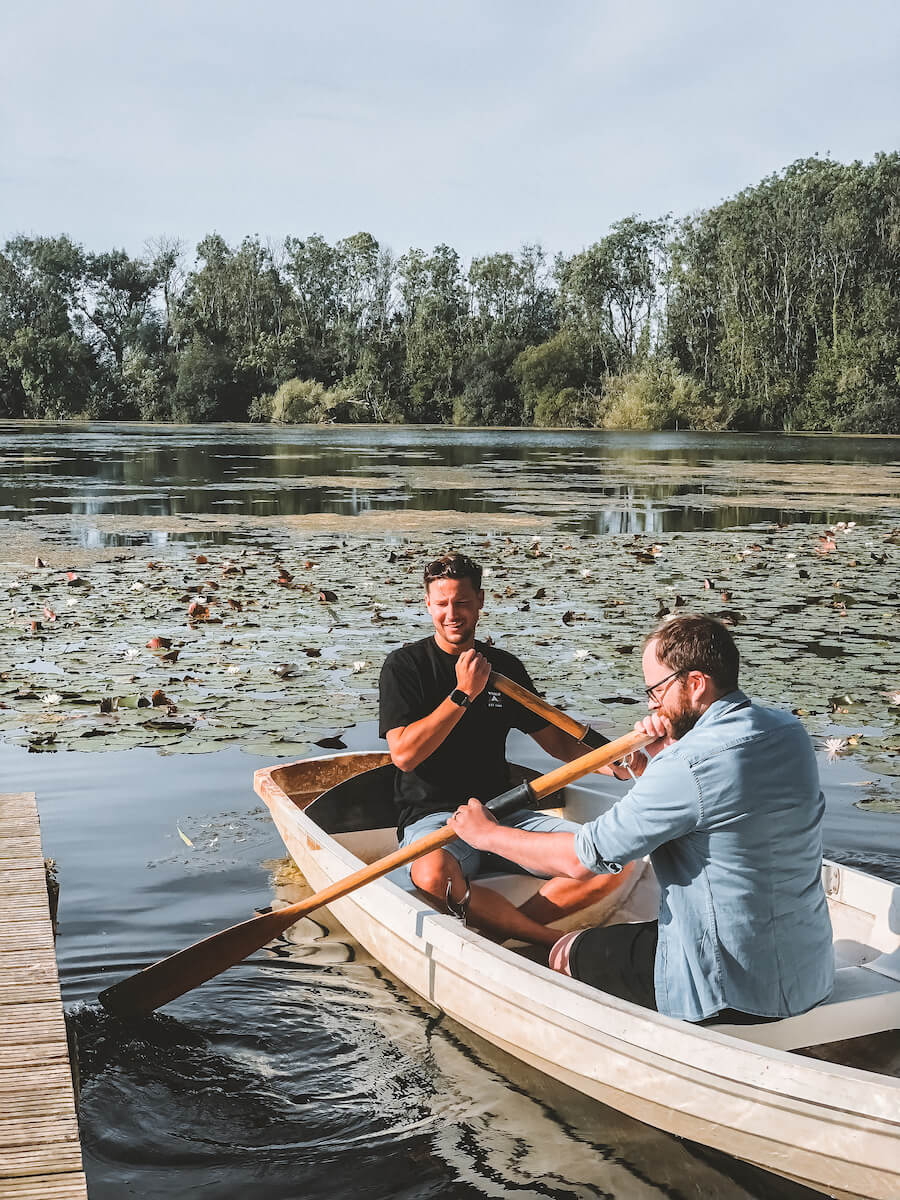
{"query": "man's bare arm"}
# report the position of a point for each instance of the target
(546, 853)
(412, 744)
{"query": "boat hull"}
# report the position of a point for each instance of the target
(829, 1127)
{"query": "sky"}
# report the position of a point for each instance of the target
(480, 123)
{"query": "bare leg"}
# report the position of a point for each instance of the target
(488, 910)
(560, 896)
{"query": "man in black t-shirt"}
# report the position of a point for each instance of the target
(446, 729)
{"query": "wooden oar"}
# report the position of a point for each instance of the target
(173, 976)
(553, 716)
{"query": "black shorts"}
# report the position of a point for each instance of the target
(620, 960)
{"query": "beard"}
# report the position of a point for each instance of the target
(682, 716)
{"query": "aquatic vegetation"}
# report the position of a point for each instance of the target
(274, 644)
(835, 746)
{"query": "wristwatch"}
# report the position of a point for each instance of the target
(458, 696)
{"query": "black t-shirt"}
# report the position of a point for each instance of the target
(471, 761)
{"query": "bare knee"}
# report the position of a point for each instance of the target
(432, 873)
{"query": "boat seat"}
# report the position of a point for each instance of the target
(865, 1000)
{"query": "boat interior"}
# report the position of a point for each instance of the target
(350, 798)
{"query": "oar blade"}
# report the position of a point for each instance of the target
(171, 977)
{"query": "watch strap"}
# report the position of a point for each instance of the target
(458, 696)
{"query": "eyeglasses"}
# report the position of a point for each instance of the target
(652, 689)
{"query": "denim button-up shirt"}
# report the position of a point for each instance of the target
(731, 816)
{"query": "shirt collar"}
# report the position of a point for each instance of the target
(725, 704)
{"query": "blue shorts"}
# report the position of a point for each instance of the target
(477, 862)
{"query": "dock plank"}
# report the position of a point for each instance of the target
(45, 1187)
(40, 1153)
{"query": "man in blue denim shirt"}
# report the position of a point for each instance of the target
(730, 811)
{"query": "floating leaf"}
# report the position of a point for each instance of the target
(285, 670)
(184, 837)
(168, 723)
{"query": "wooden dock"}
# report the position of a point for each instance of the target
(40, 1155)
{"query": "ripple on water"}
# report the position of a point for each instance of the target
(314, 1074)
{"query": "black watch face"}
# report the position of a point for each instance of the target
(458, 696)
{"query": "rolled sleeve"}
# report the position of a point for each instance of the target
(664, 804)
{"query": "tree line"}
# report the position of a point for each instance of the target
(778, 309)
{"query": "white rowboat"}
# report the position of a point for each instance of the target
(740, 1089)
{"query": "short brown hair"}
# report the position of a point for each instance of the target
(695, 642)
(453, 566)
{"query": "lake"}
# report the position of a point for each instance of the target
(307, 1071)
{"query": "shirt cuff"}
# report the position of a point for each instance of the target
(590, 857)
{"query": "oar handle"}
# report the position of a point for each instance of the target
(554, 716)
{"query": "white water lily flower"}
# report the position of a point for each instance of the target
(894, 697)
(232, 670)
(834, 747)
(587, 574)
(488, 571)
(137, 586)
(51, 698)
(581, 654)
(359, 666)
(71, 601)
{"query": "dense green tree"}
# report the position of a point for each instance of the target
(47, 365)
(433, 316)
(613, 294)
(777, 309)
(543, 373)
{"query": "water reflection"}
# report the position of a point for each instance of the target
(587, 481)
(306, 1071)
(351, 1084)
